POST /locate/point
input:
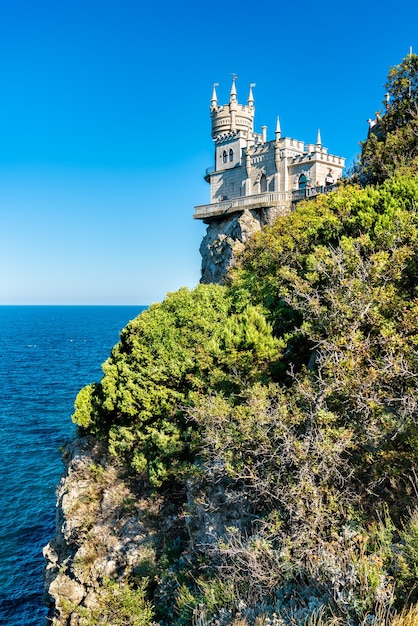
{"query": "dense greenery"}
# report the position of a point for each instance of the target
(285, 403)
(170, 353)
(393, 141)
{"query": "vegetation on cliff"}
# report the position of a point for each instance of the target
(393, 141)
(167, 357)
(277, 414)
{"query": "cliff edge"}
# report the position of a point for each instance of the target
(104, 531)
(226, 238)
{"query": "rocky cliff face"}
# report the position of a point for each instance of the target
(104, 530)
(107, 530)
(226, 238)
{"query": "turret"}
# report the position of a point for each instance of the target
(233, 104)
(277, 149)
(233, 94)
(250, 96)
(232, 117)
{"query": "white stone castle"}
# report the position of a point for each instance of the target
(251, 173)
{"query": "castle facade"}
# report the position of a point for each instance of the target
(255, 174)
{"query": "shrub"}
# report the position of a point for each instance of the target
(166, 357)
(118, 605)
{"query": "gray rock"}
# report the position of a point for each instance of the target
(226, 238)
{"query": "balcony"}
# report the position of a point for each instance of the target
(276, 199)
(279, 199)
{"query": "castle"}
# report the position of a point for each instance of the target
(253, 173)
(253, 180)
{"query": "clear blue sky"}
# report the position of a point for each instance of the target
(105, 128)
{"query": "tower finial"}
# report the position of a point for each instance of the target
(318, 138)
(278, 129)
(250, 95)
(214, 100)
(233, 94)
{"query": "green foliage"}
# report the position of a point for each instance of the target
(207, 596)
(287, 403)
(393, 141)
(166, 356)
(313, 460)
(406, 560)
(314, 270)
(119, 605)
(86, 404)
(284, 458)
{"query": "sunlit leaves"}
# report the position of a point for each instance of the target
(393, 141)
(171, 352)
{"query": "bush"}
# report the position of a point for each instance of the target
(166, 357)
(118, 606)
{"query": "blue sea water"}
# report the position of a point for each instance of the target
(47, 353)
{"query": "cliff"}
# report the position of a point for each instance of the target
(104, 530)
(108, 530)
(225, 239)
(257, 463)
(257, 460)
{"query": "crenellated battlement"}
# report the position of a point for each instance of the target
(232, 117)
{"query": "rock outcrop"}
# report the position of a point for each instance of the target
(225, 239)
(104, 531)
(108, 531)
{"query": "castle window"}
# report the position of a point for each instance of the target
(231, 155)
(263, 183)
(224, 156)
(302, 181)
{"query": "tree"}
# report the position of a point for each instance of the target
(393, 141)
(166, 356)
(402, 89)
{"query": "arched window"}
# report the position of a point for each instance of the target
(224, 156)
(263, 183)
(302, 181)
(231, 155)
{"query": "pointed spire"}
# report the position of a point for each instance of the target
(214, 101)
(250, 95)
(233, 94)
(318, 138)
(278, 129)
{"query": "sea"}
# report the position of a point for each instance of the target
(47, 354)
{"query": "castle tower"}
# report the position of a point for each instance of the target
(232, 117)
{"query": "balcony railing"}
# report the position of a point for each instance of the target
(257, 201)
(283, 199)
(311, 192)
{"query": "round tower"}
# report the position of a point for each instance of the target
(232, 117)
